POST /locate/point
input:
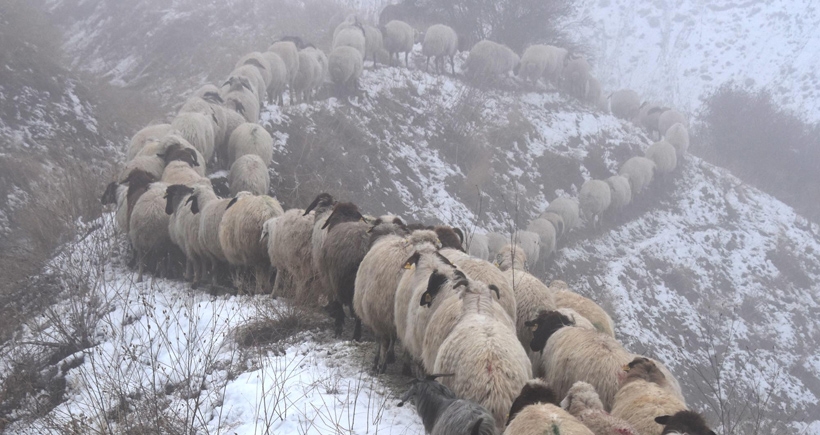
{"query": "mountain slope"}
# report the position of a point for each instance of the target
(677, 51)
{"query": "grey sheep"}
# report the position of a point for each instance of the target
(289, 53)
(568, 209)
(249, 174)
(477, 246)
(489, 60)
(576, 77)
(620, 192)
(241, 97)
(444, 414)
(240, 234)
(547, 234)
(669, 118)
(639, 171)
(678, 136)
(345, 68)
(351, 36)
(250, 138)
(278, 77)
(258, 61)
(440, 41)
(148, 223)
(398, 37)
(625, 104)
(664, 155)
(254, 77)
(214, 111)
(557, 222)
(595, 198)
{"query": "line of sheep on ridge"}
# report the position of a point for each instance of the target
(486, 328)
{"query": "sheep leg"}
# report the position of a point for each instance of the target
(406, 53)
(376, 366)
(427, 64)
(453, 64)
(390, 358)
(357, 328)
(141, 268)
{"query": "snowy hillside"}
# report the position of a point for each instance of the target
(676, 51)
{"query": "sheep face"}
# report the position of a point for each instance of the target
(543, 326)
(449, 237)
(110, 194)
(643, 368)
(173, 196)
(321, 201)
(437, 281)
(684, 422)
(138, 179)
(533, 392)
(343, 212)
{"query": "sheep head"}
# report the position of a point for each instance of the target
(193, 200)
(684, 422)
(436, 283)
(213, 97)
(173, 196)
(110, 194)
(449, 238)
(534, 391)
(580, 397)
(643, 368)
(343, 212)
(322, 200)
(543, 326)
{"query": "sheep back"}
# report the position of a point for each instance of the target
(620, 192)
(594, 198)
(142, 137)
(545, 418)
(625, 104)
(249, 174)
(587, 308)
(568, 209)
(639, 402)
(241, 228)
(639, 171)
(250, 138)
(664, 155)
(678, 136)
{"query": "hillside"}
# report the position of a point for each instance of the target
(715, 278)
(678, 51)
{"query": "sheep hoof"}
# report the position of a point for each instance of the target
(357, 330)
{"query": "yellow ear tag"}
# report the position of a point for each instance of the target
(409, 266)
(625, 367)
(427, 298)
(534, 328)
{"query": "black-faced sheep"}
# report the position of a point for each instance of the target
(148, 223)
(642, 397)
(684, 422)
(535, 412)
(444, 414)
(565, 298)
(570, 354)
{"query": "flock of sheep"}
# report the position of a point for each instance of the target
(511, 354)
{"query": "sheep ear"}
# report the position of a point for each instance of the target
(662, 420)
(213, 116)
(445, 260)
(192, 153)
(398, 221)
(233, 201)
(227, 82)
(240, 108)
(434, 284)
(161, 155)
(413, 261)
(477, 427)
(194, 201)
(494, 288)
(435, 376)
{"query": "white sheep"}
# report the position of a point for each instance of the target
(345, 68)
(486, 272)
(576, 77)
(278, 77)
(570, 354)
(594, 198)
(440, 41)
(598, 317)
(305, 78)
(620, 192)
(535, 412)
(289, 53)
(249, 174)
(215, 113)
(568, 209)
(669, 118)
(639, 171)
(181, 172)
(530, 242)
(153, 165)
(495, 242)
(183, 228)
(198, 130)
(350, 21)
(477, 246)
(240, 234)
(321, 207)
(534, 62)
(398, 38)
(351, 36)
(583, 403)
(489, 60)
(648, 115)
(152, 133)
(254, 77)
(250, 138)
(377, 281)
(642, 397)
(664, 155)
(322, 73)
(257, 60)
(678, 136)
(241, 97)
(148, 224)
(232, 121)
(547, 234)
(557, 222)
(531, 295)
(209, 208)
(625, 104)
(288, 239)
(489, 365)
(374, 43)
